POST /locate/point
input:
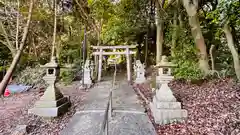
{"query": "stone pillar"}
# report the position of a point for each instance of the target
(95, 66)
(104, 64)
(139, 72)
(100, 65)
(92, 65)
(164, 107)
(52, 103)
(128, 64)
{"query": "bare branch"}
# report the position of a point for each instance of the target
(9, 44)
(55, 28)
(17, 32)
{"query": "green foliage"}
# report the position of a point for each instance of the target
(125, 22)
(70, 41)
(67, 76)
(101, 9)
(31, 76)
(128, 20)
(227, 12)
(224, 61)
(5, 57)
(185, 58)
(40, 13)
(3, 68)
(188, 70)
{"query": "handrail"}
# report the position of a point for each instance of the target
(108, 110)
(104, 128)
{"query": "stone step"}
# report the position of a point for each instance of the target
(169, 121)
(84, 124)
(121, 123)
(128, 117)
(166, 105)
(166, 116)
(131, 124)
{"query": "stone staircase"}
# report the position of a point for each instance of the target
(128, 117)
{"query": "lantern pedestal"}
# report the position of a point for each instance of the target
(52, 103)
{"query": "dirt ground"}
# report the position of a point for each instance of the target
(213, 108)
(13, 111)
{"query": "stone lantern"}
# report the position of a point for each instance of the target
(52, 103)
(164, 71)
(164, 107)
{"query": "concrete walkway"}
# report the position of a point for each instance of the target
(128, 114)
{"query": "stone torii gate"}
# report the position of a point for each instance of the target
(99, 51)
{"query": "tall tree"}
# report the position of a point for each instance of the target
(175, 27)
(191, 7)
(231, 46)
(54, 29)
(159, 24)
(229, 10)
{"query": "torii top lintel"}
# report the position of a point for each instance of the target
(115, 47)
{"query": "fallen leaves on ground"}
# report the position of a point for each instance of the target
(213, 108)
(15, 110)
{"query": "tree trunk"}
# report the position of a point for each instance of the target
(139, 50)
(191, 9)
(17, 32)
(175, 30)
(233, 50)
(180, 20)
(55, 28)
(16, 58)
(159, 23)
(96, 58)
(212, 57)
(146, 50)
(201, 46)
(58, 50)
(34, 47)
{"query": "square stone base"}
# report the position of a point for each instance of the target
(166, 105)
(140, 80)
(85, 86)
(50, 104)
(87, 81)
(50, 112)
(167, 116)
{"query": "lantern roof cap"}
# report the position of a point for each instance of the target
(165, 63)
(52, 64)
